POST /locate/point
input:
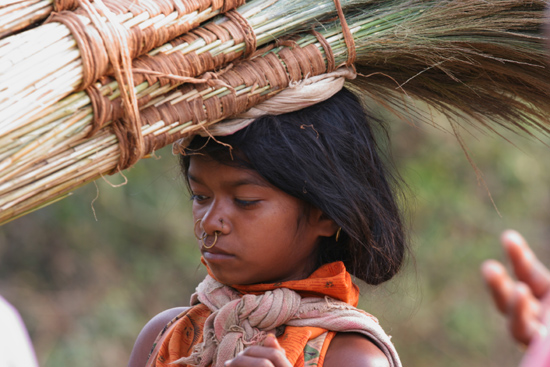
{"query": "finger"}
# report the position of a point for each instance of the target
(500, 284)
(527, 267)
(243, 360)
(523, 314)
(272, 342)
(273, 355)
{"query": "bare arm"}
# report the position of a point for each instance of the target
(148, 334)
(346, 349)
(351, 349)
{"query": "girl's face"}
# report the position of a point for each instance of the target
(264, 235)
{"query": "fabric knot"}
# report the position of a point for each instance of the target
(238, 321)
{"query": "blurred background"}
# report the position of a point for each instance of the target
(88, 272)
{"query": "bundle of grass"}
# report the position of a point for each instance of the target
(76, 47)
(213, 45)
(487, 66)
(228, 38)
(16, 15)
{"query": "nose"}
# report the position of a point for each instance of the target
(215, 218)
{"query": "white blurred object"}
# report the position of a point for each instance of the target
(15, 345)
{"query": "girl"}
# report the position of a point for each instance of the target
(285, 209)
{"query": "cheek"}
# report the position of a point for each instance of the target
(196, 211)
(199, 210)
(280, 225)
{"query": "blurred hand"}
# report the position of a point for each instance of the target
(270, 354)
(526, 301)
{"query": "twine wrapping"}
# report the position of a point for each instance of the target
(91, 36)
(297, 96)
(60, 5)
(106, 43)
(270, 71)
(176, 68)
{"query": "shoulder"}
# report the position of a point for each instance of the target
(353, 349)
(148, 334)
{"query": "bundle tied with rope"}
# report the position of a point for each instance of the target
(296, 96)
(99, 41)
(78, 45)
(313, 66)
(487, 67)
(176, 68)
(297, 74)
(126, 128)
(185, 58)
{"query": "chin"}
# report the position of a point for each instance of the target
(225, 278)
(228, 280)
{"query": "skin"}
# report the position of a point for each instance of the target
(264, 235)
(524, 302)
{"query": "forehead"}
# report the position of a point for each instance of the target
(204, 169)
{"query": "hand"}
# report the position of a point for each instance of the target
(525, 302)
(269, 355)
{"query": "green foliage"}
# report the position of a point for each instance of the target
(438, 309)
(85, 287)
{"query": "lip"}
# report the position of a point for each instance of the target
(215, 254)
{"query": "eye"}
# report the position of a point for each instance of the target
(198, 198)
(246, 204)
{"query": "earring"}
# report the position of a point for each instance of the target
(338, 233)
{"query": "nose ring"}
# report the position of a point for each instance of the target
(204, 236)
(213, 243)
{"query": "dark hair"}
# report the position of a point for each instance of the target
(327, 156)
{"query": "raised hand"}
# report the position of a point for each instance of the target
(526, 301)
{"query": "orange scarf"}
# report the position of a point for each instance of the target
(185, 332)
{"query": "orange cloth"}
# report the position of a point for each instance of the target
(330, 280)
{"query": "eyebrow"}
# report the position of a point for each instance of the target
(252, 180)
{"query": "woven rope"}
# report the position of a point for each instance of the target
(292, 64)
(280, 74)
(105, 44)
(296, 97)
(90, 38)
(348, 37)
(173, 68)
(60, 5)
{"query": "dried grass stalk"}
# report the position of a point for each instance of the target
(23, 141)
(16, 15)
(486, 66)
(41, 66)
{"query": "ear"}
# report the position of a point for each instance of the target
(325, 226)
